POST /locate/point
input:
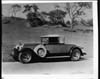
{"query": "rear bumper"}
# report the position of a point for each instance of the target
(84, 54)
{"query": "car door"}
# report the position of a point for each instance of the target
(56, 48)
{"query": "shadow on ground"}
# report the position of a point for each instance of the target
(50, 60)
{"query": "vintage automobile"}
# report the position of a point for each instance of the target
(51, 45)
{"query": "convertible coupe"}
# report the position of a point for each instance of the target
(51, 45)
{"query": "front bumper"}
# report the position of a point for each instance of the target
(14, 52)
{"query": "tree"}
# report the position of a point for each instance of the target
(27, 8)
(57, 6)
(57, 16)
(15, 8)
(35, 8)
(33, 17)
(75, 10)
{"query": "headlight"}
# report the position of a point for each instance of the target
(19, 46)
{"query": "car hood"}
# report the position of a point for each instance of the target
(30, 45)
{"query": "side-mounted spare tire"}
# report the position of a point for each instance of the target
(41, 51)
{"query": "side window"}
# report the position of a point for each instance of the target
(54, 40)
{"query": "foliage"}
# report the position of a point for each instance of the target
(38, 18)
(68, 23)
(6, 21)
(15, 8)
(27, 8)
(90, 22)
(35, 7)
(83, 22)
(87, 23)
(75, 10)
(33, 17)
(57, 17)
(75, 22)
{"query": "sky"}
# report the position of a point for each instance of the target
(6, 8)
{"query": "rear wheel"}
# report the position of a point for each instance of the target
(25, 57)
(76, 55)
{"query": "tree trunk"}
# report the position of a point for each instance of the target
(72, 22)
(71, 25)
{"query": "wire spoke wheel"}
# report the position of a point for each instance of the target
(25, 57)
(41, 52)
(76, 54)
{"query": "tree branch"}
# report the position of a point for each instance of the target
(75, 9)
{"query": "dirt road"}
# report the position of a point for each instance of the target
(84, 66)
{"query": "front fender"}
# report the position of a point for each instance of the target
(35, 49)
(26, 49)
(29, 49)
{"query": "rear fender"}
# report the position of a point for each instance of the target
(75, 48)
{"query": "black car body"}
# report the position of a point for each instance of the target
(51, 45)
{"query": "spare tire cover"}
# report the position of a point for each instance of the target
(38, 47)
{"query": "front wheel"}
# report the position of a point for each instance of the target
(76, 55)
(25, 57)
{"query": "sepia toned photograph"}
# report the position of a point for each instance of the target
(47, 38)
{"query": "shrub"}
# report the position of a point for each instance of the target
(6, 21)
(83, 22)
(87, 23)
(75, 22)
(90, 22)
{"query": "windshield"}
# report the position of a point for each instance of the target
(50, 40)
(44, 40)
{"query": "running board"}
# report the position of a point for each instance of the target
(57, 56)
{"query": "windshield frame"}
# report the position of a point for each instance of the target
(44, 41)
